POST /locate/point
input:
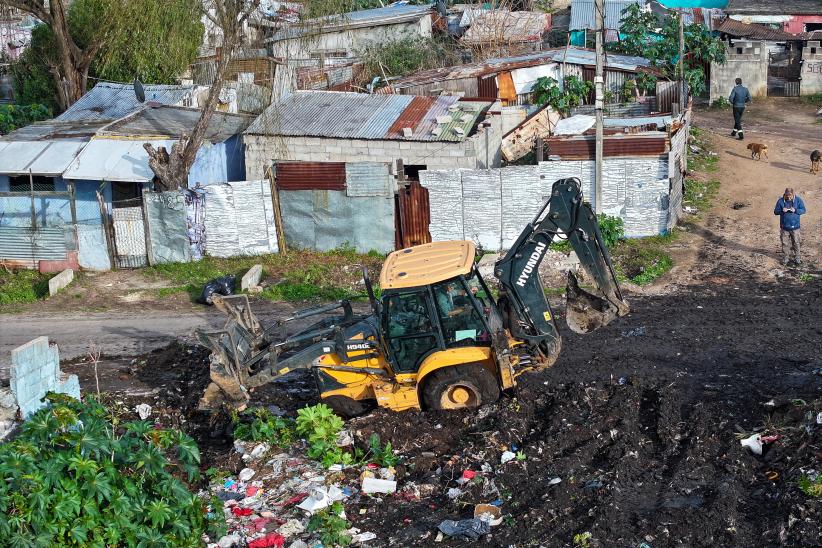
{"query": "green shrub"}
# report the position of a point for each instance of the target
(811, 487)
(721, 103)
(400, 56)
(76, 477)
(331, 526)
(384, 456)
(23, 286)
(611, 228)
(16, 116)
(265, 427)
(320, 426)
(572, 94)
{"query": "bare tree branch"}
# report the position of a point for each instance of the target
(32, 7)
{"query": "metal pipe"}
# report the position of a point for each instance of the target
(599, 83)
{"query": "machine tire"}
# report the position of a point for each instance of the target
(480, 384)
(347, 407)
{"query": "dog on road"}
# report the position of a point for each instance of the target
(757, 150)
(816, 156)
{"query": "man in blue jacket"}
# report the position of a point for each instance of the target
(740, 96)
(789, 207)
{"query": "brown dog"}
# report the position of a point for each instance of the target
(757, 150)
(816, 156)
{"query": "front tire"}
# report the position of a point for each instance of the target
(347, 407)
(460, 387)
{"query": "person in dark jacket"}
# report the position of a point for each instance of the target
(789, 207)
(740, 96)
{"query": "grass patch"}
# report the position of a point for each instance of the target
(554, 291)
(23, 286)
(811, 487)
(700, 194)
(814, 99)
(298, 275)
(644, 260)
(805, 278)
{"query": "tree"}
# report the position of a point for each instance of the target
(658, 41)
(171, 168)
(573, 93)
(109, 39)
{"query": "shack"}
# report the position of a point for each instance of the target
(335, 156)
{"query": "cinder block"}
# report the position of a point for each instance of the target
(61, 281)
(35, 370)
(252, 277)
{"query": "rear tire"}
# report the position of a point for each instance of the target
(460, 387)
(347, 407)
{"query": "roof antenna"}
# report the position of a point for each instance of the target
(139, 91)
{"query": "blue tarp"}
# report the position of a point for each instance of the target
(695, 3)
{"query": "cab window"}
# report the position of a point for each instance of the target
(460, 320)
(410, 332)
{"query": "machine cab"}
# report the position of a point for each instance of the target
(433, 299)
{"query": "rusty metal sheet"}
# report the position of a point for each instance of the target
(505, 83)
(311, 175)
(411, 116)
(583, 147)
(487, 87)
(413, 216)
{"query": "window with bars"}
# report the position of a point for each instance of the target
(22, 183)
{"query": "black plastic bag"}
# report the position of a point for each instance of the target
(225, 285)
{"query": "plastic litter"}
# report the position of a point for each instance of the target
(508, 456)
(488, 512)
(465, 529)
(754, 443)
(298, 544)
(246, 474)
(454, 493)
(374, 485)
(469, 475)
(290, 528)
(229, 540)
(555, 481)
(143, 411)
(321, 497)
(272, 539)
(260, 450)
(363, 537)
(225, 285)
(387, 473)
(819, 418)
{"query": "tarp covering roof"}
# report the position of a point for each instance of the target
(168, 121)
(362, 116)
(774, 7)
(583, 15)
(41, 157)
(114, 160)
(110, 101)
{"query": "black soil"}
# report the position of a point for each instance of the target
(639, 421)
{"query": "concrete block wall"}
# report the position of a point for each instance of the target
(811, 68)
(751, 65)
(35, 371)
(262, 150)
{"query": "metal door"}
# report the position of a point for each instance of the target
(129, 237)
(412, 216)
(784, 73)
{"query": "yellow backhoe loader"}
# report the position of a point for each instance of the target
(436, 338)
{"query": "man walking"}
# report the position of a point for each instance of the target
(789, 207)
(740, 96)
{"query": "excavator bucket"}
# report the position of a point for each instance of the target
(586, 312)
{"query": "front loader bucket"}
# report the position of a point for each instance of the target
(586, 312)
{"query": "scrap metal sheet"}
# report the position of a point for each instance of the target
(367, 179)
(167, 227)
(254, 212)
(445, 196)
(221, 238)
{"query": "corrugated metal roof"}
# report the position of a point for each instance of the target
(170, 121)
(109, 101)
(345, 115)
(55, 129)
(659, 121)
(583, 14)
(774, 7)
(738, 29)
(111, 159)
(507, 26)
(361, 18)
(41, 157)
(574, 55)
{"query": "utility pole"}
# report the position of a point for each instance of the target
(599, 83)
(682, 92)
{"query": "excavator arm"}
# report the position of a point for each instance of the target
(525, 309)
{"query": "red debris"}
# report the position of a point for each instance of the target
(271, 539)
(241, 511)
(469, 475)
(296, 499)
(251, 491)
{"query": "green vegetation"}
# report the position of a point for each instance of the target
(811, 487)
(397, 57)
(721, 103)
(76, 476)
(662, 48)
(155, 40)
(611, 228)
(814, 99)
(264, 427)
(17, 116)
(573, 93)
(298, 275)
(700, 194)
(320, 426)
(582, 540)
(384, 456)
(642, 261)
(23, 286)
(331, 526)
(805, 277)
